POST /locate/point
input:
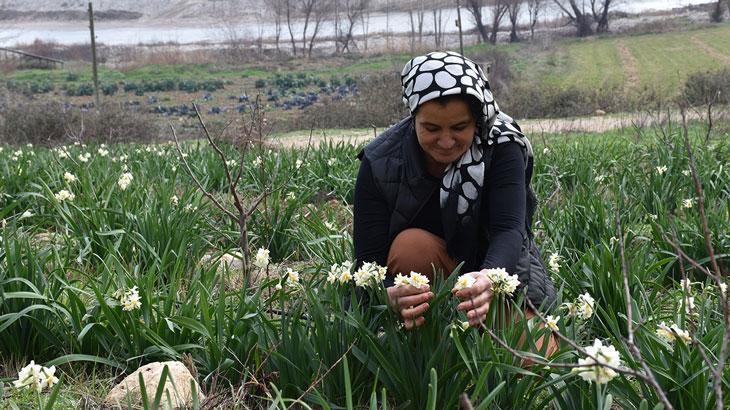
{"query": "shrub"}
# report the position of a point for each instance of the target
(710, 86)
(48, 123)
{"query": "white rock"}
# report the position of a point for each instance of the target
(177, 384)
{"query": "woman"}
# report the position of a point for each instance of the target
(446, 185)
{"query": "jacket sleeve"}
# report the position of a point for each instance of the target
(371, 220)
(506, 207)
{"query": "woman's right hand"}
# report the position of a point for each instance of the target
(410, 302)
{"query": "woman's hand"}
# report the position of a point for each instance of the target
(475, 299)
(410, 302)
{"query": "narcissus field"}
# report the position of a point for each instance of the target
(114, 256)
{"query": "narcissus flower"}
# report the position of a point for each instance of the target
(582, 307)
(292, 277)
(36, 377)
(331, 161)
(174, 200)
(340, 273)
(686, 172)
(688, 203)
(552, 322)
(69, 177)
(26, 214)
(130, 299)
(369, 274)
(125, 180)
(257, 161)
(298, 164)
(414, 279)
(502, 282)
(554, 262)
(464, 281)
(262, 258)
(672, 332)
(64, 195)
(661, 169)
(593, 369)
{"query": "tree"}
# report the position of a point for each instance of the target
(419, 24)
(600, 14)
(276, 8)
(475, 9)
(498, 11)
(577, 16)
(513, 11)
(316, 11)
(354, 10)
(438, 26)
(533, 9)
(289, 8)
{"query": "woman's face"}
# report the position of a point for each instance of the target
(445, 132)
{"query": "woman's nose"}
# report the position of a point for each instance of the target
(446, 143)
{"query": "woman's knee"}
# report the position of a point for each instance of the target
(417, 250)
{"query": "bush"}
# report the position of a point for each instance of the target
(260, 83)
(49, 123)
(707, 87)
(109, 88)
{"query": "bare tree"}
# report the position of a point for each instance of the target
(313, 11)
(600, 14)
(513, 11)
(438, 26)
(416, 25)
(475, 9)
(577, 15)
(498, 11)
(277, 10)
(533, 9)
(354, 10)
(289, 8)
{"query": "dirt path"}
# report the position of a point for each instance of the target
(724, 59)
(630, 65)
(532, 128)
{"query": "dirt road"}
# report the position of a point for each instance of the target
(598, 123)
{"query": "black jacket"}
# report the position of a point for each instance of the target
(399, 173)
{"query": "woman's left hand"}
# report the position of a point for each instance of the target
(476, 299)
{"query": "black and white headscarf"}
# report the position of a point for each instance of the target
(440, 74)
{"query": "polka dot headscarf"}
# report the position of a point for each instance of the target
(440, 74)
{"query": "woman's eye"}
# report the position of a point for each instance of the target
(460, 128)
(431, 129)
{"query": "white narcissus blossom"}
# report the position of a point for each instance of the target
(502, 282)
(401, 280)
(688, 203)
(329, 226)
(686, 172)
(69, 177)
(298, 164)
(554, 262)
(33, 376)
(102, 152)
(686, 285)
(257, 161)
(331, 161)
(369, 274)
(64, 195)
(26, 214)
(689, 305)
(593, 368)
(585, 305)
(599, 178)
(84, 157)
(48, 377)
(290, 196)
(125, 180)
(661, 169)
(546, 150)
(292, 277)
(464, 281)
(130, 300)
(174, 200)
(262, 258)
(670, 333)
(231, 163)
(552, 322)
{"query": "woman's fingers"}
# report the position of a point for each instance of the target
(414, 300)
(414, 312)
(475, 302)
(481, 285)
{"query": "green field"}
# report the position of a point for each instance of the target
(660, 61)
(73, 246)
